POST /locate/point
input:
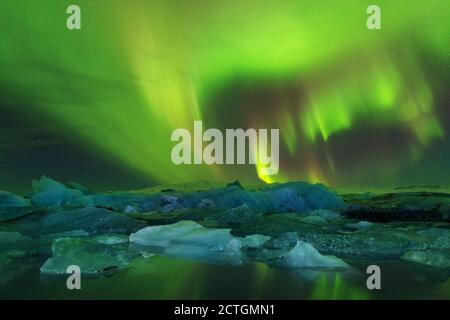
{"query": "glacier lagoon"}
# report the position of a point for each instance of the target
(294, 240)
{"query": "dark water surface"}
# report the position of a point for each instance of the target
(163, 278)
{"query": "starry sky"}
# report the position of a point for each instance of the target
(355, 107)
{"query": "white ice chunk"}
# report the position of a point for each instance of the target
(209, 245)
(254, 241)
(159, 236)
(189, 240)
(304, 255)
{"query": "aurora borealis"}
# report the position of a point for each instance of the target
(355, 107)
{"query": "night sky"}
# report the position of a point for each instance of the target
(355, 107)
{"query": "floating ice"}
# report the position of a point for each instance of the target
(50, 193)
(91, 220)
(13, 213)
(188, 239)
(92, 256)
(159, 236)
(435, 258)
(118, 201)
(11, 200)
(254, 241)
(111, 239)
(209, 245)
(304, 255)
(328, 215)
(361, 225)
(310, 219)
(129, 209)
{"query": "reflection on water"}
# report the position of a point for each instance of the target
(163, 278)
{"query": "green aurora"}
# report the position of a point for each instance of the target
(355, 107)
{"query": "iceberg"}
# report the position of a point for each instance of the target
(160, 236)
(361, 225)
(310, 219)
(8, 199)
(304, 255)
(128, 203)
(277, 198)
(111, 239)
(190, 240)
(13, 213)
(434, 258)
(67, 234)
(93, 256)
(208, 245)
(254, 241)
(50, 193)
(239, 215)
(92, 220)
(328, 215)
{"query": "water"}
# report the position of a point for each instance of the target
(164, 278)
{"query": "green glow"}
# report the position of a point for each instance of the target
(138, 70)
(332, 287)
